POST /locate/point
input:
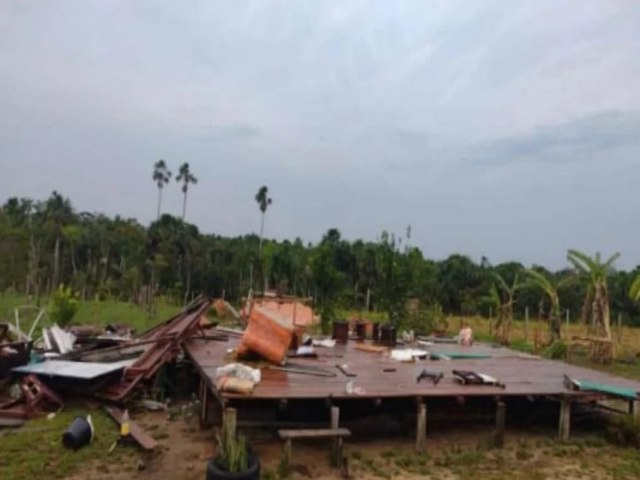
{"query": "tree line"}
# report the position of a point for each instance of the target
(47, 243)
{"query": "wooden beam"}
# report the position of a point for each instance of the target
(564, 423)
(421, 428)
(498, 438)
(634, 408)
(138, 434)
(336, 446)
(204, 403)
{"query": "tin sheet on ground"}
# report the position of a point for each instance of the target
(63, 368)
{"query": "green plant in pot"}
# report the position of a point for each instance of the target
(233, 461)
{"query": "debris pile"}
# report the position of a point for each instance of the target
(108, 364)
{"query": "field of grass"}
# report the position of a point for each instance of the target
(94, 312)
(36, 450)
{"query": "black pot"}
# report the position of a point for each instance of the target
(215, 472)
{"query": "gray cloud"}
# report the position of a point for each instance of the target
(501, 129)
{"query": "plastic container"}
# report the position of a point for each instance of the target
(78, 434)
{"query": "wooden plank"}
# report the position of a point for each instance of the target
(137, 433)
(314, 433)
(364, 347)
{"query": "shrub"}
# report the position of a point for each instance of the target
(624, 431)
(233, 454)
(557, 350)
(63, 306)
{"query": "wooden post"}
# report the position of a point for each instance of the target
(490, 320)
(634, 408)
(336, 448)
(204, 403)
(564, 424)
(229, 423)
(421, 427)
(498, 439)
(567, 321)
(287, 451)
(526, 324)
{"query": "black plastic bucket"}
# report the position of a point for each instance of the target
(78, 434)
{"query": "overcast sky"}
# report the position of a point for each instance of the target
(507, 129)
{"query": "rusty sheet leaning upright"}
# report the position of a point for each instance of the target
(167, 338)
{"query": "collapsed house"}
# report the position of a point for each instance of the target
(272, 372)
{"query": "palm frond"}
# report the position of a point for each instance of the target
(611, 260)
(634, 291)
(581, 261)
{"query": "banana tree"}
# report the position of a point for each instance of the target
(550, 289)
(506, 293)
(634, 291)
(596, 303)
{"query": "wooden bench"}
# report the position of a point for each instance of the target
(335, 433)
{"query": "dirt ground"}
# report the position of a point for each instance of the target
(451, 454)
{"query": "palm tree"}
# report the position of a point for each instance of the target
(186, 177)
(58, 213)
(263, 200)
(161, 175)
(597, 297)
(506, 293)
(550, 288)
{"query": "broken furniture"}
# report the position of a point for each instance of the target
(268, 334)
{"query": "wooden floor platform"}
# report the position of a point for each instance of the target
(378, 376)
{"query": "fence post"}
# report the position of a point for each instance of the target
(490, 320)
(526, 324)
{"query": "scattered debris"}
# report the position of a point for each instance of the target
(435, 377)
(467, 377)
(138, 434)
(268, 334)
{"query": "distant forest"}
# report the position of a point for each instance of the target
(44, 244)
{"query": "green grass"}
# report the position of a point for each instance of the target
(36, 450)
(94, 312)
